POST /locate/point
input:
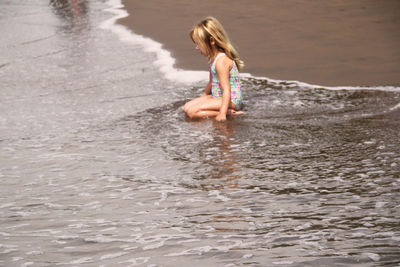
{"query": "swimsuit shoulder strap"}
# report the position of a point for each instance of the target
(216, 58)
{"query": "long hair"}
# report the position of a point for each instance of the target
(210, 27)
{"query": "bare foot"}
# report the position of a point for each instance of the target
(233, 112)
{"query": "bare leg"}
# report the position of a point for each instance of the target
(207, 106)
(193, 102)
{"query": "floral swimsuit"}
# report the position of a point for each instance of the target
(216, 89)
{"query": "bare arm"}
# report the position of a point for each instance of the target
(223, 67)
(207, 90)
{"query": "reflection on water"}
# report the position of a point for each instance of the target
(74, 12)
(74, 31)
(227, 165)
(221, 155)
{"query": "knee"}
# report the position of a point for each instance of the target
(186, 107)
(191, 112)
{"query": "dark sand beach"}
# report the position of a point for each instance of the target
(320, 42)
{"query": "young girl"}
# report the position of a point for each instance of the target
(222, 94)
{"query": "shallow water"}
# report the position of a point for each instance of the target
(100, 167)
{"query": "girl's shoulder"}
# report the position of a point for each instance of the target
(222, 61)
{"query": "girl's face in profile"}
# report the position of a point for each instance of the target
(201, 48)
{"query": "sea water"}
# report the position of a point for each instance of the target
(100, 167)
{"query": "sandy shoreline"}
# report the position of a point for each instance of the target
(331, 43)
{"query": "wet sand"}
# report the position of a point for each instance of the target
(331, 43)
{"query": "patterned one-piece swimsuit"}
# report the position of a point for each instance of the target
(216, 89)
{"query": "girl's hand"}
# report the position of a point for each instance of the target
(221, 117)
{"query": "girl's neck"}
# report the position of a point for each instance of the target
(216, 52)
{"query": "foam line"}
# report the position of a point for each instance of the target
(165, 62)
(293, 83)
(395, 107)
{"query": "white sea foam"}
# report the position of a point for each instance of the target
(192, 251)
(164, 61)
(155, 245)
(372, 256)
(136, 261)
(293, 83)
(218, 195)
(395, 107)
(283, 262)
(113, 255)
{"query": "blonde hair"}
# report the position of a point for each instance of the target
(210, 27)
